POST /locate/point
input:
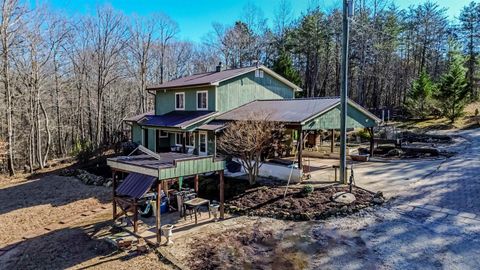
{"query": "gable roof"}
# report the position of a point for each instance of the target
(296, 111)
(138, 117)
(213, 78)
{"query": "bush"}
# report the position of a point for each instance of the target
(83, 150)
(363, 134)
(307, 189)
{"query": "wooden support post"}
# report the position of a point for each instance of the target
(196, 183)
(222, 195)
(300, 148)
(332, 142)
(114, 194)
(135, 216)
(158, 212)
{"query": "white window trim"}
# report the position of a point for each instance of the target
(186, 145)
(206, 94)
(160, 134)
(177, 94)
(200, 141)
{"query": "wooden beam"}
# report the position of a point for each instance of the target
(196, 183)
(372, 140)
(157, 214)
(135, 216)
(114, 194)
(300, 148)
(332, 141)
(222, 195)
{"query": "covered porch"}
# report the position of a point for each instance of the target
(147, 178)
(312, 126)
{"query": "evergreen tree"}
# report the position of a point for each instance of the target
(470, 33)
(419, 98)
(283, 65)
(453, 89)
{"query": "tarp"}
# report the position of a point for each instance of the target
(136, 185)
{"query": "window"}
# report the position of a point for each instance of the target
(202, 100)
(259, 73)
(189, 139)
(179, 101)
(162, 134)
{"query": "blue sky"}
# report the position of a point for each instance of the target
(195, 17)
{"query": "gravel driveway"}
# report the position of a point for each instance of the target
(432, 221)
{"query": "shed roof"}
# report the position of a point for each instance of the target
(214, 125)
(135, 185)
(176, 119)
(215, 77)
(295, 111)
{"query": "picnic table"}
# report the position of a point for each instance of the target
(195, 204)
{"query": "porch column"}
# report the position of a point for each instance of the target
(157, 214)
(332, 142)
(114, 194)
(300, 148)
(196, 183)
(184, 148)
(222, 195)
(135, 216)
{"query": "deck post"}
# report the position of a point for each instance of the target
(222, 195)
(332, 142)
(158, 212)
(196, 183)
(114, 194)
(135, 216)
(300, 148)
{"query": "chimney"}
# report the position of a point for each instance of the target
(219, 67)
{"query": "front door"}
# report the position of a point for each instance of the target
(202, 144)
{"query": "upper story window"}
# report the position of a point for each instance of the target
(180, 101)
(259, 73)
(202, 100)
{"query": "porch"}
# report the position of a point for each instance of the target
(148, 182)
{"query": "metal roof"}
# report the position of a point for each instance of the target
(214, 125)
(176, 119)
(135, 185)
(295, 111)
(215, 77)
(138, 117)
(281, 110)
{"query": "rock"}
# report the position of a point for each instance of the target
(379, 194)
(343, 197)
(378, 200)
(395, 152)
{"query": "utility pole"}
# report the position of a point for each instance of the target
(347, 12)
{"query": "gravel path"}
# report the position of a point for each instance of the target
(433, 222)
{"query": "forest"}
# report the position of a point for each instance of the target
(68, 81)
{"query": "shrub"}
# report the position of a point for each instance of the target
(307, 189)
(83, 150)
(363, 134)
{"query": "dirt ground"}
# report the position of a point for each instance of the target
(269, 202)
(29, 206)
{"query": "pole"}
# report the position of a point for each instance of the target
(344, 96)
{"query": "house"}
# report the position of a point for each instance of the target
(191, 112)
(184, 107)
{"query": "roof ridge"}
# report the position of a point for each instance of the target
(290, 99)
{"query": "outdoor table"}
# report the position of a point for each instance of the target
(196, 203)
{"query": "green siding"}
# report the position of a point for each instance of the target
(331, 120)
(151, 139)
(136, 133)
(192, 167)
(165, 101)
(243, 89)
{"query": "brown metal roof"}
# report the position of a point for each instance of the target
(203, 79)
(281, 110)
(214, 78)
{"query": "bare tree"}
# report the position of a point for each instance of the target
(10, 25)
(248, 140)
